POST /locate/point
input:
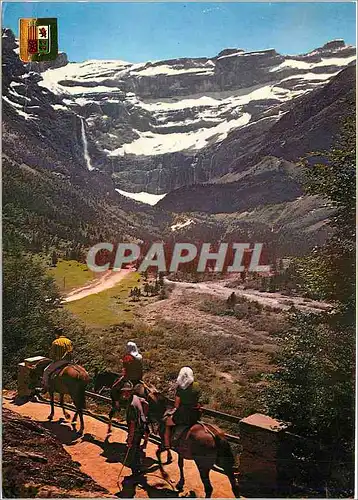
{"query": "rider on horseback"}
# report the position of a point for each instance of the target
(61, 354)
(132, 364)
(132, 367)
(136, 416)
(187, 407)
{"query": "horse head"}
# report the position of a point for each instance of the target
(104, 379)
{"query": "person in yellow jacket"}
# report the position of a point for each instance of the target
(60, 353)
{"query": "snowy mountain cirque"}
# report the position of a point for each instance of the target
(148, 124)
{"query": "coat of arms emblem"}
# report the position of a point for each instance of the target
(38, 39)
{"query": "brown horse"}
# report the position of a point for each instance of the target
(204, 443)
(72, 380)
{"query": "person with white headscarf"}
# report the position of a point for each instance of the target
(187, 406)
(132, 364)
(132, 370)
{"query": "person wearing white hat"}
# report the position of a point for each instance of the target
(132, 370)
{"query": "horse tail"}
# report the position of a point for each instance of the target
(226, 460)
(80, 398)
(225, 456)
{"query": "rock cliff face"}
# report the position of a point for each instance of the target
(255, 177)
(156, 126)
(29, 107)
(49, 193)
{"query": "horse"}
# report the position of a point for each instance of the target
(72, 379)
(104, 380)
(204, 443)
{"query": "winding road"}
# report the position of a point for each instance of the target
(108, 280)
(216, 288)
(275, 299)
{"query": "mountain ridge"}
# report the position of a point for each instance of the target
(50, 198)
(55, 195)
(312, 124)
(149, 123)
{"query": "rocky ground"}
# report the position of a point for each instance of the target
(36, 465)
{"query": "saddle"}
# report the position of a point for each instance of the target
(169, 412)
(58, 371)
(180, 441)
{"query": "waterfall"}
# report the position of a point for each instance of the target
(159, 177)
(85, 146)
(193, 166)
(193, 169)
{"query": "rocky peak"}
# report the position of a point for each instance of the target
(8, 39)
(60, 61)
(11, 63)
(227, 52)
(333, 45)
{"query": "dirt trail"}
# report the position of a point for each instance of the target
(220, 289)
(108, 280)
(275, 299)
(102, 460)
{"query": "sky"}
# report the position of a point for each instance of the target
(139, 32)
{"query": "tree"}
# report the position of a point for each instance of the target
(161, 278)
(231, 300)
(54, 258)
(264, 283)
(314, 385)
(30, 303)
(330, 271)
(162, 294)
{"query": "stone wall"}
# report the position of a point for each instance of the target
(263, 458)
